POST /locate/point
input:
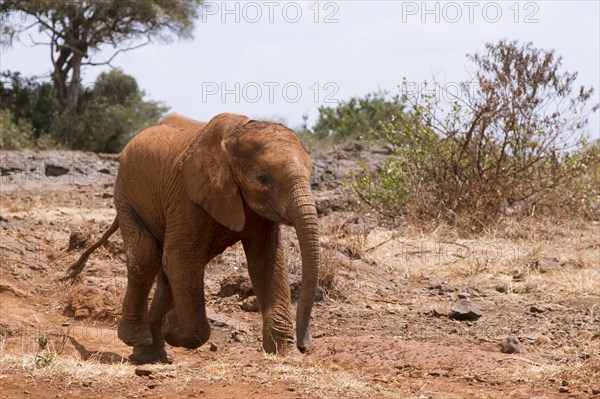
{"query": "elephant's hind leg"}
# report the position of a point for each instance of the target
(161, 304)
(186, 325)
(144, 254)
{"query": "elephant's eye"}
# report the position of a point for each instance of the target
(263, 178)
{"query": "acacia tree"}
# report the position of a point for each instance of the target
(77, 30)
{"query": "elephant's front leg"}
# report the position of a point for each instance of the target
(185, 325)
(269, 276)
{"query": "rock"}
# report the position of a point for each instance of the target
(352, 147)
(6, 287)
(213, 347)
(536, 309)
(250, 304)
(438, 373)
(466, 310)
(502, 288)
(221, 320)
(463, 295)
(296, 283)
(511, 345)
(595, 391)
(434, 283)
(564, 389)
(545, 265)
(7, 168)
(236, 284)
(142, 372)
(77, 240)
(235, 334)
(55, 170)
(518, 275)
(383, 150)
(435, 312)
(542, 340)
(417, 374)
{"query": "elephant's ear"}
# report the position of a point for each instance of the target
(208, 178)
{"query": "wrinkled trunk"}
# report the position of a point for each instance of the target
(303, 215)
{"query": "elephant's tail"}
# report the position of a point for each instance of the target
(77, 267)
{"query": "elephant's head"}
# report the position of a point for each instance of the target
(233, 161)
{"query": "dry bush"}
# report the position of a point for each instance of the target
(513, 147)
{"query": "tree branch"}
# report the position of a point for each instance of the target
(108, 62)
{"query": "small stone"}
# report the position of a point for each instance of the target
(511, 345)
(438, 373)
(536, 309)
(291, 389)
(434, 283)
(55, 170)
(466, 310)
(564, 383)
(545, 265)
(595, 391)
(87, 383)
(518, 275)
(542, 340)
(250, 304)
(152, 386)
(564, 389)
(213, 347)
(416, 374)
(236, 284)
(502, 288)
(437, 313)
(142, 372)
(463, 295)
(26, 392)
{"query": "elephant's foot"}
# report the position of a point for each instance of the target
(172, 333)
(153, 354)
(134, 333)
(277, 336)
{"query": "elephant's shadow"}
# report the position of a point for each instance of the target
(100, 356)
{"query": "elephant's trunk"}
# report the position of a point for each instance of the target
(303, 214)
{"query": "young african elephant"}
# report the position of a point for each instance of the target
(185, 192)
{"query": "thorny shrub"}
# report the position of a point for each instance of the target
(514, 146)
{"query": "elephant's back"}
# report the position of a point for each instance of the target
(149, 168)
(163, 141)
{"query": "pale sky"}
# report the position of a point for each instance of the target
(280, 60)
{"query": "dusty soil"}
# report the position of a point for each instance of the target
(381, 331)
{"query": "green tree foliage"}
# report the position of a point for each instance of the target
(354, 119)
(110, 113)
(514, 145)
(29, 101)
(78, 29)
(14, 135)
